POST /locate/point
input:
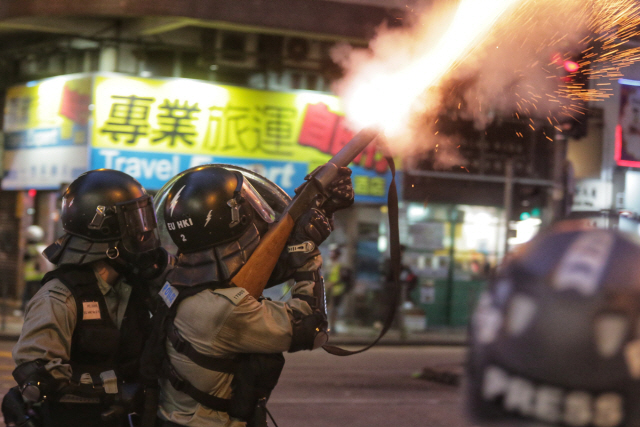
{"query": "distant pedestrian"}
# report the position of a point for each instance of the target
(35, 264)
(407, 277)
(338, 282)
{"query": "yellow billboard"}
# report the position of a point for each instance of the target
(195, 117)
(153, 129)
(48, 112)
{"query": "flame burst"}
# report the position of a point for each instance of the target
(512, 52)
(405, 75)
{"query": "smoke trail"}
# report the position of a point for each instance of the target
(514, 68)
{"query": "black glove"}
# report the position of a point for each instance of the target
(35, 381)
(17, 412)
(305, 331)
(311, 229)
(340, 192)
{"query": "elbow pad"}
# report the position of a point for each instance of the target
(310, 332)
(34, 381)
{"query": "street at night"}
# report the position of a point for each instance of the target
(373, 389)
(6, 366)
(198, 195)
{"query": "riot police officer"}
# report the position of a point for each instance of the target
(223, 347)
(555, 340)
(77, 356)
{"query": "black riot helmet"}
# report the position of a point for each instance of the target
(210, 205)
(102, 210)
(555, 339)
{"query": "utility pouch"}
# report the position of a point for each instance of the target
(256, 376)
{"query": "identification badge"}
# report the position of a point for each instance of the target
(90, 310)
(168, 294)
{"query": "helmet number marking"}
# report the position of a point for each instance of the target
(180, 224)
(184, 239)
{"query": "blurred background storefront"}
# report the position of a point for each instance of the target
(152, 129)
(153, 88)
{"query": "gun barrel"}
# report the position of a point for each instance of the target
(354, 147)
(253, 276)
(345, 156)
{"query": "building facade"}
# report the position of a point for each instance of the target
(155, 87)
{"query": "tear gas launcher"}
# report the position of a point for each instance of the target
(253, 276)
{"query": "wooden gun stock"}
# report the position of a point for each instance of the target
(254, 275)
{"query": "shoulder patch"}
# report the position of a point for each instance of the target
(234, 295)
(57, 290)
(168, 294)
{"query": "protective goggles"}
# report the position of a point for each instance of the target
(136, 221)
(250, 194)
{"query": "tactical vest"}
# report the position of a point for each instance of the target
(255, 375)
(97, 345)
(155, 361)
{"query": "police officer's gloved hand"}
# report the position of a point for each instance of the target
(35, 381)
(311, 229)
(340, 192)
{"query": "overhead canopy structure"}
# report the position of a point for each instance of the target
(354, 21)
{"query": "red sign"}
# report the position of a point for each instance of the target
(327, 131)
(627, 148)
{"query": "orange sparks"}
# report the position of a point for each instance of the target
(538, 60)
(387, 91)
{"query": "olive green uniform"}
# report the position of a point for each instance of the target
(222, 323)
(50, 319)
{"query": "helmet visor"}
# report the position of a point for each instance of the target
(257, 202)
(138, 225)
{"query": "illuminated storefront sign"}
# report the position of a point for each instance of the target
(627, 147)
(46, 132)
(154, 169)
(153, 129)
